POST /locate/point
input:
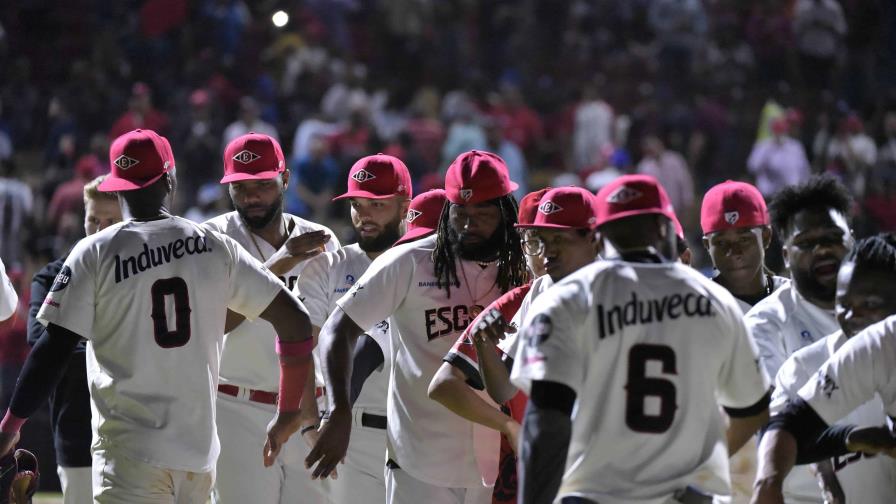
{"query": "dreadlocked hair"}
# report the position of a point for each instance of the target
(877, 253)
(512, 271)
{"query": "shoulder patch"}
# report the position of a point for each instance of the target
(62, 279)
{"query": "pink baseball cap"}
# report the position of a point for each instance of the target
(378, 177)
(528, 207)
(477, 176)
(423, 215)
(565, 208)
(732, 205)
(252, 156)
(138, 159)
(631, 195)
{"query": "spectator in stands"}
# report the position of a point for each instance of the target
(69, 196)
(248, 121)
(316, 178)
(140, 114)
(15, 213)
(592, 129)
(819, 27)
(671, 169)
(779, 161)
(497, 142)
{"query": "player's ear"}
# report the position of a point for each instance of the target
(284, 177)
(766, 237)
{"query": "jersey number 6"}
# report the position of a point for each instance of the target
(640, 387)
(176, 287)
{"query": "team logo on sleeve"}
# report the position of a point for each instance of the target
(125, 162)
(826, 384)
(357, 288)
(245, 156)
(732, 217)
(363, 176)
(62, 279)
(539, 331)
(413, 214)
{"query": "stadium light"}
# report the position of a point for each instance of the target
(280, 19)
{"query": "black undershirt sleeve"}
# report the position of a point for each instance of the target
(547, 429)
(815, 440)
(367, 358)
(42, 370)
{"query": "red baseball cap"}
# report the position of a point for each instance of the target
(252, 156)
(528, 207)
(423, 215)
(732, 205)
(138, 159)
(631, 195)
(378, 177)
(565, 208)
(477, 176)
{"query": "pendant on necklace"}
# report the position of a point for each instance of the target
(475, 310)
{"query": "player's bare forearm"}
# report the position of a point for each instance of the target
(338, 337)
(494, 372)
(777, 456)
(309, 413)
(741, 429)
(289, 318)
(450, 389)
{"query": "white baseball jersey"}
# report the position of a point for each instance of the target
(325, 279)
(777, 283)
(152, 297)
(650, 350)
(249, 358)
(426, 439)
(863, 478)
(8, 297)
(783, 323)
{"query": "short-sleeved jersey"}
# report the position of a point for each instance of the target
(152, 298)
(8, 297)
(650, 350)
(325, 279)
(424, 438)
(510, 344)
(863, 478)
(249, 358)
(777, 283)
(861, 368)
(783, 323)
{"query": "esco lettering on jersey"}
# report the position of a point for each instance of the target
(637, 311)
(448, 319)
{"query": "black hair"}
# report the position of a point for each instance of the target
(820, 192)
(875, 252)
(512, 270)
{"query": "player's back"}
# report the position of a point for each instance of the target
(650, 347)
(160, 293)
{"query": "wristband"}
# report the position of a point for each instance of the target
(308, 428)
(11, 423)
(293, 373)
(294, 348)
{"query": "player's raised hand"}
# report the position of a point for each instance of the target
(284, 424)
(332, 444)
(8, 442)
(491, 328)
(297, 249)
(872, 440)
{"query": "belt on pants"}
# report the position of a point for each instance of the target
(259, 396)
(373, 421)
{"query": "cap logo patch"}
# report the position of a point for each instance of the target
(466, 194)
(413, 214)
(623, 195)
(549, 207)
(245, 156)
(363, 176)
(125, 162)
(732, 217)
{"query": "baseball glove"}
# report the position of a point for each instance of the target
(19, 477)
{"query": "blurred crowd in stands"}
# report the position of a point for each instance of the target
(566, 91)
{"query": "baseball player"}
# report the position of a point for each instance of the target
(736, 234)
(379, 189)
(811, 220)
(70, 401)
(151, 295)
(423, 215)
(256, 176)
(431, 289)
(865, 296)
(8, 297)
(645, 348)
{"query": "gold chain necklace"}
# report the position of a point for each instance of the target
(475, 308)
(252, 237)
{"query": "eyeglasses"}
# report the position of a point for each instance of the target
(533, 247)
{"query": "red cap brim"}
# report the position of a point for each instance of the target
(642, 211)
(236, 177)
(364, 194)
(414, 234)
(115, 184)
(550, 226)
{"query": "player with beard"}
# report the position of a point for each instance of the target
(812, 222)
(431, 289)
(865, 296)
(379, 189)
(257, 179)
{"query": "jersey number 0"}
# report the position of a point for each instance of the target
(640, 387)
(176, 287)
